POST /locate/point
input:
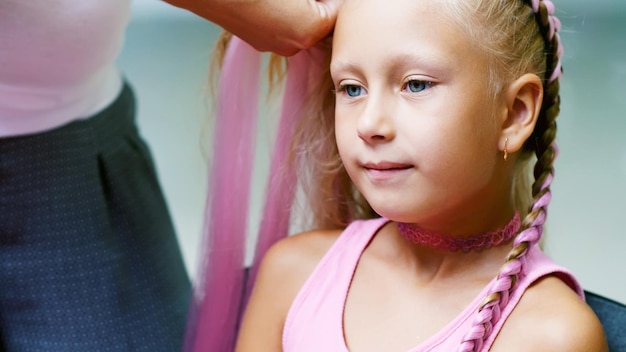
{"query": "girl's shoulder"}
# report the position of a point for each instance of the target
(295, 257)
(550, 316)
(290, 261)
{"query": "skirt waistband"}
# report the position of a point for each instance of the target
(98, 131)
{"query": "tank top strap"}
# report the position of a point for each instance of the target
(537, 266)
(316, 314)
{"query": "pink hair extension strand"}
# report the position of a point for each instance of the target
(301, 71)
(213, 316)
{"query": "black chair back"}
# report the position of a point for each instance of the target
(612, 314)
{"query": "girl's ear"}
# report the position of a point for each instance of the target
(523, 99)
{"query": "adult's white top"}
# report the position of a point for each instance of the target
(57, 61)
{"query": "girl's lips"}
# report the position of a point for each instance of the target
(385, 171)
(386, 166)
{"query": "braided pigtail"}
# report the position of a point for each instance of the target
(542, 143)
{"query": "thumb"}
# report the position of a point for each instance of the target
(313, 22)
(327, 11)
(330, 7)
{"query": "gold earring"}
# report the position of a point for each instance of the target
(506, 144)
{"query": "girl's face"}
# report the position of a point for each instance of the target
(415, 119)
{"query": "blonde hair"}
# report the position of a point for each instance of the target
(331, 199)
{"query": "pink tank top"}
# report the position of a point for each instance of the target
(315, 320)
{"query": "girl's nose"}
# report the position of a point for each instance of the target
(375, 124)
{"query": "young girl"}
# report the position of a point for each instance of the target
(438, 108)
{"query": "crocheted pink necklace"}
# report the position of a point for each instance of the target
(454, 244)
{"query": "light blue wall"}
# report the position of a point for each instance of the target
(166, 57)
(586, 228)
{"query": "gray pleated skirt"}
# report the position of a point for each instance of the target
(88, 256)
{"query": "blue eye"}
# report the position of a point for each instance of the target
(353, 90)
(416, 86)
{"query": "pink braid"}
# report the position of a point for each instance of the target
(498, 295)
(213, 316)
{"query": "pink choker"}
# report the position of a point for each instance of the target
(475, 242)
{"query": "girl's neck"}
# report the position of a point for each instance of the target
(426, 265)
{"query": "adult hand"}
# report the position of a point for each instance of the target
(281, 26)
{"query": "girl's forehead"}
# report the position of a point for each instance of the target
(357, 18)
(349, 7)
(375, 30)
